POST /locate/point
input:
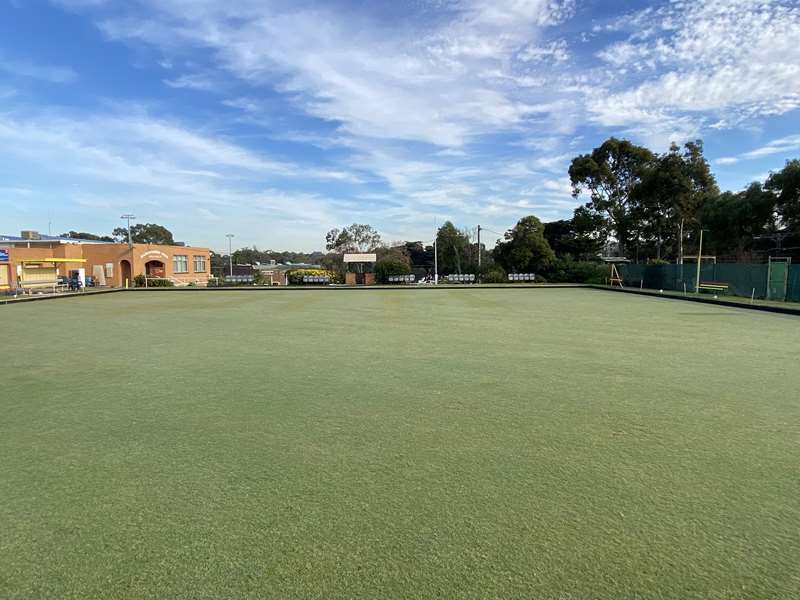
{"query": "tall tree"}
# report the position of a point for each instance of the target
(733, 219)
(397, 252)
(145, 233)
(355, 238)
(785, 184)
(608, 175)
(420, 256)
(453, 248)
(82, 235)
(673, 189)
(580, 237)
(525, 249)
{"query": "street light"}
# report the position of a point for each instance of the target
(230, 252)
(435, 254)
(129, 218)
(699, 261)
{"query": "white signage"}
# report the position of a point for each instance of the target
(153, 253)
(360, 258)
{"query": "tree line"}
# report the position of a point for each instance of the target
(141, 233)
(636, 203)
(651, 204)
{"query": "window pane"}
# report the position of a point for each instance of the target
(180, 263)
(199, 264)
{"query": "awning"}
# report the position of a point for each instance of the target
(35, 261)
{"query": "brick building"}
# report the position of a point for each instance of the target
(33, 260)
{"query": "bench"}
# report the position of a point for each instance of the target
(713, 286)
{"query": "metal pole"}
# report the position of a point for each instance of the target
(230, 251)
(699, 261)
(128, 219)
(479, 248)
(435, 255)
(680, 258)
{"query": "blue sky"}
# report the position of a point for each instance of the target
(278, 120)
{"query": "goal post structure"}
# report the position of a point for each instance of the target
(778, 277)
(698, 261)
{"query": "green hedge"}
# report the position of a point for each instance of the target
(140, 281)
(566, 270)
(494, 275)
(389, 267)
(295, 276)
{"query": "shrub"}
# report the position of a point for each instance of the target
(388, 267)
(295, 276)
(567, 270)
(494, 275)
(141, 281)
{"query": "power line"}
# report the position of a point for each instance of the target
(492, 231)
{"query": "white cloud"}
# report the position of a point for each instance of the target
(369, 77)
(49, 73)
(785, 146)
(465, 110)
(150, 155)
(194, 81)
(554, 51)
(688, 62)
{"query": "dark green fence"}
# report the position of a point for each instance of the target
(742, 278)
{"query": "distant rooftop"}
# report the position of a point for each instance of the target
(40, 237)
(284, 267)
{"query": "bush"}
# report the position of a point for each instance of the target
(494, 275)
(567, 270)
(295, 276)
(389, 267)
(141, 281)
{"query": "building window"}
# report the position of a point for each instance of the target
(180, 263)
(199, 264)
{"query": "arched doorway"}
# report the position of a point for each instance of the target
(154, 268)
(125, 273)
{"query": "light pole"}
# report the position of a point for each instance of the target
(230, 251)
(129, 218)
(699, 262)
(435, 256)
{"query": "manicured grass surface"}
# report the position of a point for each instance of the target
(549, 443)
(787, 306)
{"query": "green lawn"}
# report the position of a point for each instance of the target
(541, 443)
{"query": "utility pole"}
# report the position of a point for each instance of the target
(435, 255)
(230, 252)
(129, 218)
(479, 249)
(699, 262)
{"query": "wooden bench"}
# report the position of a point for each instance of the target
(713, 286)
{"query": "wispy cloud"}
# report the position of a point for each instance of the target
(696, 63)
(194, 81)
(401, 113)
(48, 73)
(785, 146)
(441, 88)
